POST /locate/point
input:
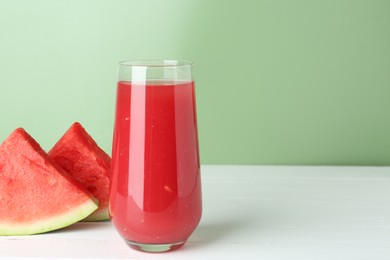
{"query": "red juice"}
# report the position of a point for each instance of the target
(155, 187)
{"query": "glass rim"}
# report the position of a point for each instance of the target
(155, 63)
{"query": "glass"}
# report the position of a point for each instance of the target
(155, 193)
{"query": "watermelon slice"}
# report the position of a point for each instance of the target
(36, 194)
(85, 161)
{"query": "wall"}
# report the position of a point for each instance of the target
(278, 81)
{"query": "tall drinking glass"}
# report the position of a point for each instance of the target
(155, 193)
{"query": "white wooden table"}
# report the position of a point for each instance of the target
(253, 212)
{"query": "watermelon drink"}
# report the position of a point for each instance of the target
(155, 194)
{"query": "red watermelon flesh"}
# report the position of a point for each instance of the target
(77, 152)
(36, 194)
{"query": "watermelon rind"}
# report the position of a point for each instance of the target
(75, 214)
(98, 215)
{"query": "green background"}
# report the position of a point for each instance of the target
(278, 81)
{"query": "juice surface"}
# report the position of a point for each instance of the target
(155, 189)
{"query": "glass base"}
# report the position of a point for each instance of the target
(154, 248)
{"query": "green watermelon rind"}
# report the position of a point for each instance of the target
(44, 225)
(98, 215)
